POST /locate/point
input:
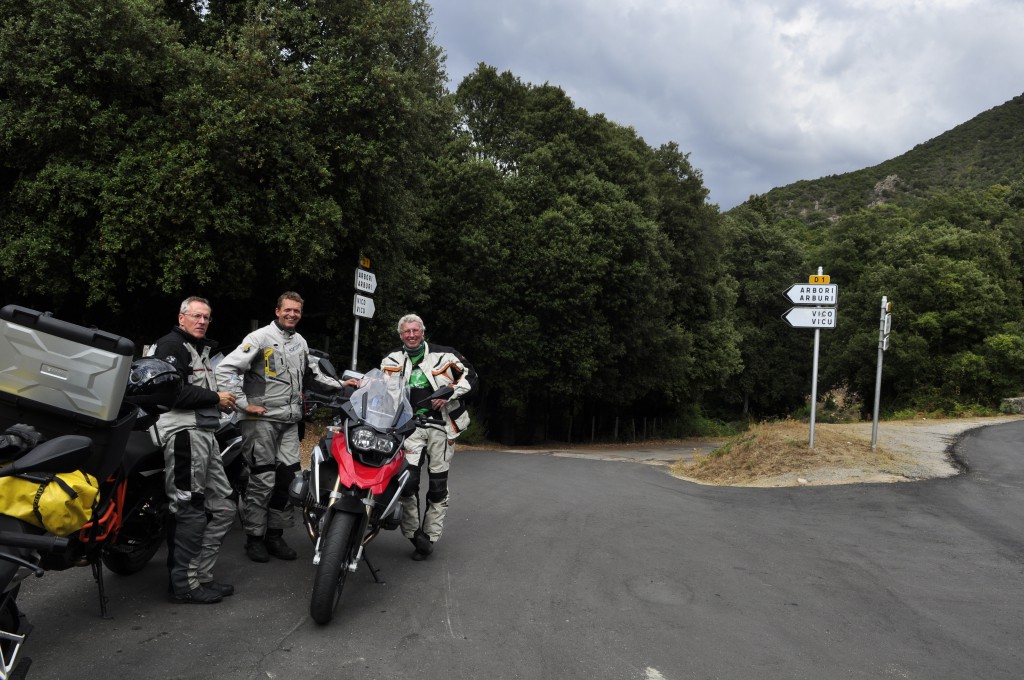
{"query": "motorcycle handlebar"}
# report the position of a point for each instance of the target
(44, 544)
(434, 423)
(334, 401)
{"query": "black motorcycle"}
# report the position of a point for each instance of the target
(22, 546)
(145, 506)
(72, 397)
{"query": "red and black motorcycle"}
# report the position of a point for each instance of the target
(357, 473)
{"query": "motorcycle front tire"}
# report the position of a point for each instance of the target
(338, 544)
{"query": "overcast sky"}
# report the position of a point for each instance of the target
(761, 93)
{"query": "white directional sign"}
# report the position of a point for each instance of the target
(366, 281)
(812, 294)
(811, 317)
(363, 306)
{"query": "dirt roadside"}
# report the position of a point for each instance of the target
(921, 449)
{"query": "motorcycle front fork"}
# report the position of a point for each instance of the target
(361, 553)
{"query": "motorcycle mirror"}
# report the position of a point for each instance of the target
(63, 454)
(323, 360)
(442, 393)
(407, 428)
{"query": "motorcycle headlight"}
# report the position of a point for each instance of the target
(365, 439)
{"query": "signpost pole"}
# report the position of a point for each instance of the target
(878, 371)
(355, 344)
(822, 297)
(814, 381)
(814, 369)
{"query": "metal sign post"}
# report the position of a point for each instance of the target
(823, 296)
(355, 343)
(362, 306)
(884, 326)
(814, 382)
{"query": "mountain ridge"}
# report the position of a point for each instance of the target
(988, 149)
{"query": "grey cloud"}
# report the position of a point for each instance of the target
(762, 93)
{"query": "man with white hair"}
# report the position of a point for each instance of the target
(426, 368)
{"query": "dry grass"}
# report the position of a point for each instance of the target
(314, 431)
(769, 450)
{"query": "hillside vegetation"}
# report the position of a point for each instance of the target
(975, 155)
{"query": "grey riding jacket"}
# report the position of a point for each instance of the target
(267, 370)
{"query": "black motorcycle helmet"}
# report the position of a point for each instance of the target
(153, 384)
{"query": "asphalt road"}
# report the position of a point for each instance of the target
(554, 567)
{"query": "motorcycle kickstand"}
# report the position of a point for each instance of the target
(373, 572)
(97, 574)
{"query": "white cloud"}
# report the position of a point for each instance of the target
(762, 93)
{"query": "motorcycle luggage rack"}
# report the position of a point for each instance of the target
(11, 662)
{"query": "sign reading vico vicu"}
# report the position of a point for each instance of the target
(811, 317)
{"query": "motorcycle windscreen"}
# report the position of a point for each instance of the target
(381, 401)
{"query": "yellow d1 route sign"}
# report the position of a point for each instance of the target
(819, 278)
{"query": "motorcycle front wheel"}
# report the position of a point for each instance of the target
(338, 544)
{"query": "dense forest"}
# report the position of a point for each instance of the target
(153, 149)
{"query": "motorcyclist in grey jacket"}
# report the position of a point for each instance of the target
(265, 373)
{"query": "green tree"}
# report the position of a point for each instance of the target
(954, 289)
(153, 148)
(563, 237)
(766, 259)
(81, 85)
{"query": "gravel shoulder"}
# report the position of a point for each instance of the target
(921, 449)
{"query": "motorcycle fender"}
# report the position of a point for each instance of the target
(345, 504)
(350, 504)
